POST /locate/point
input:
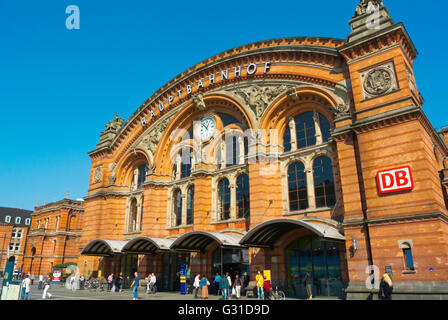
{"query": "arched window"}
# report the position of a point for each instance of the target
(27, 221)
(18, 219)
(287, 140)
(178, 206)
(190, 205)
(305, 130)
(224, 199)
(324, 128)
(242, 196)
(133, 216)
(185, 168)
(8, 219)
(323, 182)
(298, 196)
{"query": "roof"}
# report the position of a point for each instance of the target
(269, 232)
(147, 245)
(200, 240)
(14, 213)
(100, 247)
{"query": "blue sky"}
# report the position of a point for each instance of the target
(59, 87)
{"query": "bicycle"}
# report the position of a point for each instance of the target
(277, 295)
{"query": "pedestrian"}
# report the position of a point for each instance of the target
(309, 285)
(46, 287)
(386, 288)
(224, 287)
(152, 283)
(217, 283)
(26, 287)
(259, 283)
(229, 288)
(81, 281)
(120, 282)
(203, 284)
(110, 282)
(41, 280)
(267, 288)
(196, 285)
(245, 278)
(237, 284)
(135, 284)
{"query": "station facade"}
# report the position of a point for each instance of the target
(292, 155)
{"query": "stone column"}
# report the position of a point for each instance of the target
(223, 154)
(232, 200)
(184, 208)
(178, 166)
(319, 138)
(310, 183)
(241, 147)
(292, 130)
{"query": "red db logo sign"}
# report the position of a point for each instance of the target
(393, 180)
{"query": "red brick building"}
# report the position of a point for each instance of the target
(270, 156)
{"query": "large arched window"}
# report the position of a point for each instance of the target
(298, 196)
(190, 205)
(178, 206)
(242, 196)
(324, 128)
(224, 199)
(141, 175)
(305, 130)
(323, 182)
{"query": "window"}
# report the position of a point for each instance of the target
(409, 261)
(178, 207)
(287, 140)
(13, 233)
(8, 219)
(232, 151)
(19, 234)
(324, 128)
(305, 130)
(185, 168)
(190, 205)
(297, 189)
(133, 216)
(323, 182)
(141, 175)
(27, 221)
(242, 196)
(224, 199)
(18, 219)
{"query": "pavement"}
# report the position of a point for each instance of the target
(60, 292)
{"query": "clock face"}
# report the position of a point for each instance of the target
(206, 128)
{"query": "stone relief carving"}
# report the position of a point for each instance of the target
(113, 176)
(258, 98)
(198, 101)
(379, 80)
(151, 139)
(112, 129)
(364, 4)
(97, 174)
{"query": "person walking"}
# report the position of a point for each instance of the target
(46, 287)
(120, 282)
(203, 284)
(245, 279)
(110, 282)
(217, 284)
(229, 287)
(135, 284)
(386, 287)
(81, 281)
(309, 285)
(41, 281)
(237, 284)
(152, 283)
(259, 283)
(267, 288)
(196, 283)
(224, 287)
(26, 282)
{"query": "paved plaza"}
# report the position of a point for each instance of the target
(60, 292)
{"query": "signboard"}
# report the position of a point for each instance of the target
(267, 275)
(183, 279)
(57, 273)
(11, 292)
(393, 180)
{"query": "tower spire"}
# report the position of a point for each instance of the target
(370, 17)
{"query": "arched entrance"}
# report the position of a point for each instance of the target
(293, 247)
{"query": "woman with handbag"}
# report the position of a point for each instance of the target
(237, 284)
(203, 284)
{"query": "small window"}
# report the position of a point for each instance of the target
(19, 234)
(409, 261)
(27, 221)
(8, 219)
(13, 233)
(18, 219)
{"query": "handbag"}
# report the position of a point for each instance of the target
(233, 291)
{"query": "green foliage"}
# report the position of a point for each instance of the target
(65, 265)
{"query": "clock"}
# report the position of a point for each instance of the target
(206, 128)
